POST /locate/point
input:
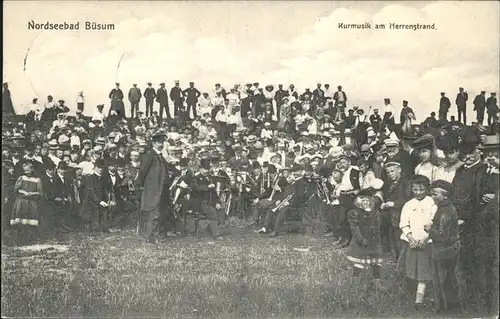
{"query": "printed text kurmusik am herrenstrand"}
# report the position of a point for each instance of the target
(87, 25)
(383, 26)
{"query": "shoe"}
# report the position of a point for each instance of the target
(263, 230)
(330, 234)
(336, 241)
(171, 234)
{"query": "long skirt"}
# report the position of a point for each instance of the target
(418, 263)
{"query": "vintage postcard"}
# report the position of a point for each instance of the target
(250, 159)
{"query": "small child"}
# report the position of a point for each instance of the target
(445, 247)
(365, 248)
(415, 214)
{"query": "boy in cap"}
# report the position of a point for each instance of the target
(445, 238)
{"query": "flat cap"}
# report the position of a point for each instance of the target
(447, 186)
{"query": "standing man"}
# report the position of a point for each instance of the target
(153, 179)
(479, 106)
(80, 101)
(150, 96)
(405, 112)
(177, 97)
(7, 107)
(134, 96)
(340, 97)
(162, 99)
(492, 108)
(461, 102)
(316, 93)
(467, 200)
(389, 111)
(191, 94)
(444, 106)
(329, 96)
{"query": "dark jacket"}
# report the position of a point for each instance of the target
(153, 177)
(176, 95)
(399, 194)
(162, 96)
(116, 94)
(479, 102)
(444, 104)
(444, 232)
(461, 99)
(150, 94)
(336, 96)
(192, 95)
(365, 228)
(94, 191)
(202, 193)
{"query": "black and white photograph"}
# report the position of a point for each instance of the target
(250, 159)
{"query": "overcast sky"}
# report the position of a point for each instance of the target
(268, 42)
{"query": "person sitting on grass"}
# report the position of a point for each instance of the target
(365, 248)
(416, 254)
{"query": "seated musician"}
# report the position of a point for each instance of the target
(205, 197)
(264, 205)
(293, 197)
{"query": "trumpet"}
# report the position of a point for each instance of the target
(325, 191)
(283, 203)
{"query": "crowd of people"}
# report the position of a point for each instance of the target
(425, 195)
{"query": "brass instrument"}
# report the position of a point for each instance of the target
(228, 205)
(275, 183)
(283, 203)
(262, 183)
(326, 192)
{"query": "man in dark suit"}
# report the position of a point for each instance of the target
(444, 106)
(162, 99)
(191, 94)
(95, 201)
(177, 97)
(7, 107)
(206, 199)
(340, 97)
(316, 93)
(492, 108)
(154, 181)
(64, 190)
(405, 111)
(149, 95)
(375, 120)
(461, 102)
(480, 106)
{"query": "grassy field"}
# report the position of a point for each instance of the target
(244, 275)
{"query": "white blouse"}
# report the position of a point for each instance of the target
(428, 170)
(415, 215)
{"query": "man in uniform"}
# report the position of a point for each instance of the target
(461, 102)
(150, 96)
(492, 108)
(191, 94)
